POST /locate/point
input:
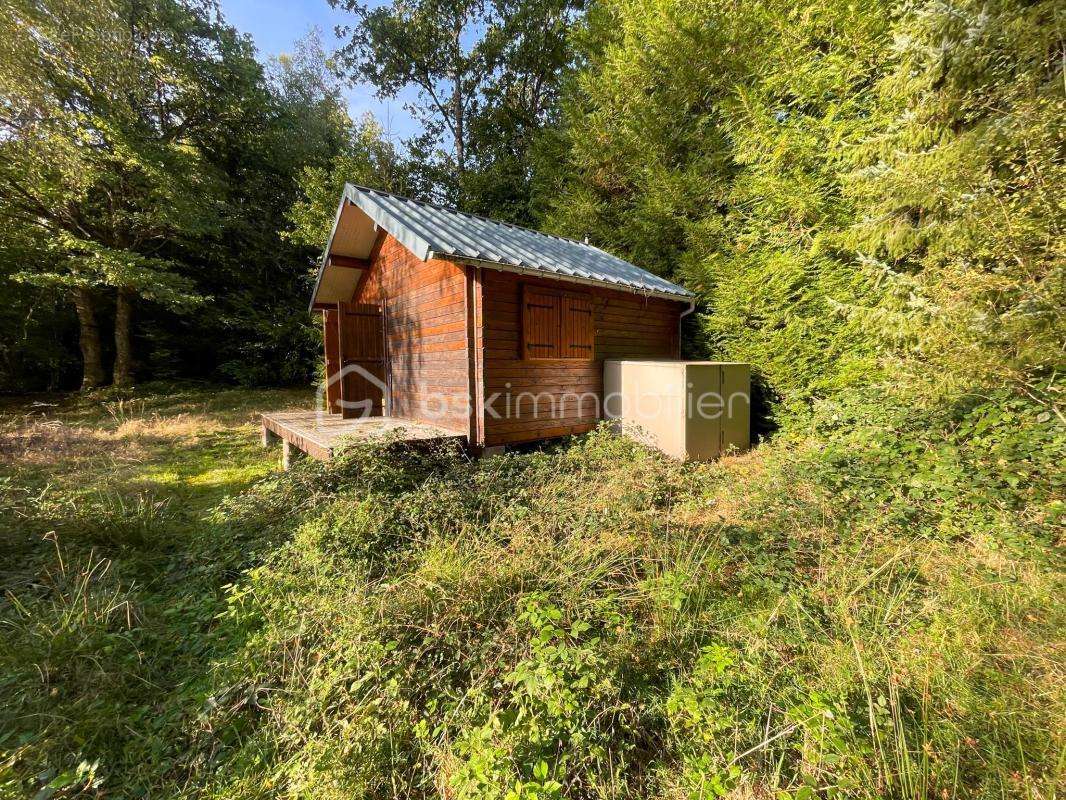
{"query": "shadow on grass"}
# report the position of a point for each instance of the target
(116, 564)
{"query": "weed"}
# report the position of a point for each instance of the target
(870, 611)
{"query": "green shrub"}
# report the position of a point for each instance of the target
(571, 623)
(864, 607)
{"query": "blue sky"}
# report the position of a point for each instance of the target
(276, 24)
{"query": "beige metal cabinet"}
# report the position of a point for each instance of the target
(688, 409)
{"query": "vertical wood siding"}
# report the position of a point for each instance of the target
(555, 397)
(333, 356)
(361, 344)
(425, 328)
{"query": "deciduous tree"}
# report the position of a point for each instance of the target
(487, 74)
(102, 106)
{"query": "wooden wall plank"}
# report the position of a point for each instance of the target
(624, 325)
(425, 334)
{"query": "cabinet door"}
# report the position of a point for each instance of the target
(704, 410)
(736, 418)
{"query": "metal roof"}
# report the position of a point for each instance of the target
(431, 231)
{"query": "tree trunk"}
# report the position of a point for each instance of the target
(460, 134)
(123, 373)
(458, 106)
(88, 339)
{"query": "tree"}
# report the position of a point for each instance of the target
(358, 151)
(103, 104)
(521, 101)
(487, 74)
(708, 142)
(147, 165)
(366, 159)
(38, 329)
(858, 192)
(425, 45)
(962, 194)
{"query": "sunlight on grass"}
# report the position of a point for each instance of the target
(232, 476)
(204, 484)
(205, 469)
(590, 620)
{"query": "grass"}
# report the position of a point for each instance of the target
(105, 506)
(863, 610)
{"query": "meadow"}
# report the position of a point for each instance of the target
(853, 609)
(865, 200)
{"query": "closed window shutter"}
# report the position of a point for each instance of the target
(578, 336)
(541, 324)
(557, 325)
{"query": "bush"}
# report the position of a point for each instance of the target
(586, 621)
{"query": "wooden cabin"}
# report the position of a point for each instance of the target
(488, 330)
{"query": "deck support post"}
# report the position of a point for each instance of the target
(268, 437)
(290, 453)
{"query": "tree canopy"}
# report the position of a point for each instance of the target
(852, 190)
(843, 184)
(148, 162)
(487, 75)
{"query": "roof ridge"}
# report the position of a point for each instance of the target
(451, 210)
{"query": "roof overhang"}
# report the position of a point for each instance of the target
(356, 226)
(346, 256)
(554, 276)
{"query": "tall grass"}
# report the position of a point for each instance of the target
(575, 623)
(859, 609)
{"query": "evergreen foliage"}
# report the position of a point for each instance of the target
(842, 182)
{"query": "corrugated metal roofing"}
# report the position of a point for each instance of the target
(431, 231)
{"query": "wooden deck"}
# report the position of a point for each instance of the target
(318, 434)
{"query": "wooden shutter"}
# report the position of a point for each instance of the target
(540, 324)
(578, 337)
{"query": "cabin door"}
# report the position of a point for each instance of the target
(361, 342)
